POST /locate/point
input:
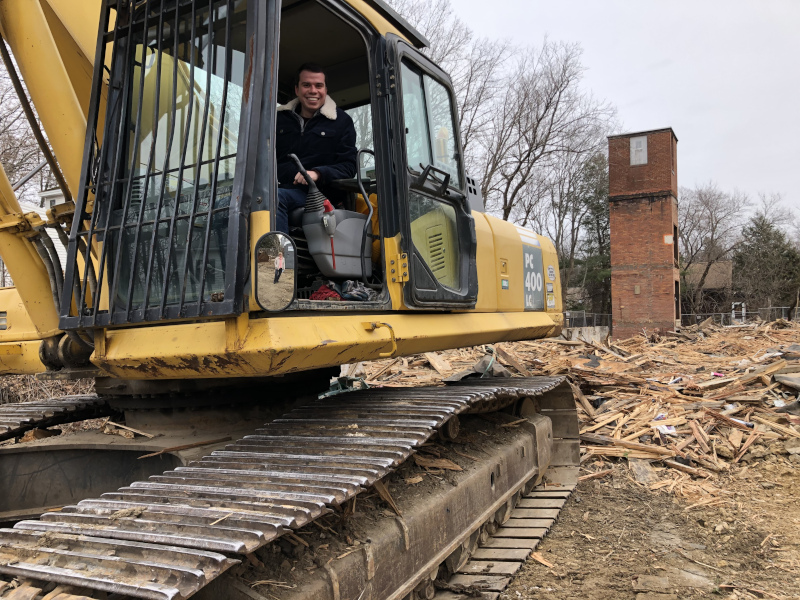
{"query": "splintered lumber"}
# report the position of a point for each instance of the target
(603, 422)
(619, 452)
(436, 463)
(383, 492)
(537, 556)
(627, 391)
(748, 442)
(131, 429)
(686, 468)
(727, 420)
(598, 475)
(587, 406)
(788, 431)
(685, 443)
(642, 471)
(602, 439)
(512, 360)
(728, 391)
(383, 369)
(765, 370)
(700, 436)
(437, 362)
(735, 438)
(606, 350)
(185, 447)
(667, 422)
(713, 384)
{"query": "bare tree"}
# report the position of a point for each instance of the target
(710, 225)
(773, 207)
(475, 65)
(435, 19)
(542, 119)
(521, 110)
(595, 248)
(528, 128)
(564, 216)
(19, 153)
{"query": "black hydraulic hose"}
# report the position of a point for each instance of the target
(92, 278)
(368, 223)
(76, 287)
(48, 264)
(42, 248)
(58, 270)
(73, 335)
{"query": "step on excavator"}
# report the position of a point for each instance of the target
(160, 274)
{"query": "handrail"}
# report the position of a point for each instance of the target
(368, 222)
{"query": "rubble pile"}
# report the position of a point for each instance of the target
(684, 412)
(26, 388)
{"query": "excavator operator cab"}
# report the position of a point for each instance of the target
(180, 156)
(312, 32)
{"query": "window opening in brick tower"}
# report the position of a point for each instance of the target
(639, 150)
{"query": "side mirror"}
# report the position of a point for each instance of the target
(274, 257)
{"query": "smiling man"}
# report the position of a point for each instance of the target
(320, 134)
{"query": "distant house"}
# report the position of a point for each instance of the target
(719, 277)
(717, 286)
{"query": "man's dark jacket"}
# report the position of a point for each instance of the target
(326, 143)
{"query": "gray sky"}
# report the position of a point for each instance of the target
(724, 74)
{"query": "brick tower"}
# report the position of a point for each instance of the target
(643, 212)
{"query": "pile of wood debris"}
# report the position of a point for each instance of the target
(26, 388)
(686, 411)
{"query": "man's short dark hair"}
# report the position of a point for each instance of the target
(313, 68)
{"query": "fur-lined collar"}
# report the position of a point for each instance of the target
(328, 109)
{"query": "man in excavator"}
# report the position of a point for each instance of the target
(321, 135)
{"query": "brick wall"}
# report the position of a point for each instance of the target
(658, 176)
(640, 257)
(643, 219)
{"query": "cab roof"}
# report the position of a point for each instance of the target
(393, 17)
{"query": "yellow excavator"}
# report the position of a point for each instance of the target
(161, 116)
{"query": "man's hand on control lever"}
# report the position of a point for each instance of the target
(300, 180)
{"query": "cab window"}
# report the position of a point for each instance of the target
(429, 124)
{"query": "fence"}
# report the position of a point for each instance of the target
(580, 318)
(771, 313)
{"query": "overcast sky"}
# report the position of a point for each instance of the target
(724, 74)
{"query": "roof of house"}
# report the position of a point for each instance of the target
(720, 275)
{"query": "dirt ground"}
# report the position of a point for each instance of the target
(723, 524)
(274, 296)
(617, 539)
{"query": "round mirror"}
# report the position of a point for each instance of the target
(275, 267)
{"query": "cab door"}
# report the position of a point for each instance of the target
(436, 222)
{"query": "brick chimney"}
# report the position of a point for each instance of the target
(643, 211)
